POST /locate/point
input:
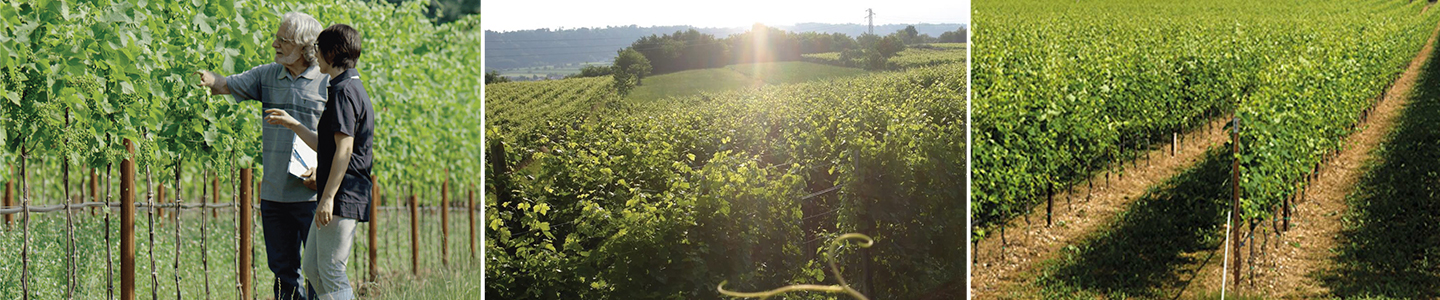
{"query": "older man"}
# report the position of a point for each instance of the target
(294, 84)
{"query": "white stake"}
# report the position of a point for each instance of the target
(1225, 265)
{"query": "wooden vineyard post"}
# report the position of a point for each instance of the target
(374, 221)
(445, 222)
(470, 209)
(94, 189)
(1235, 203)
(9, 196)
(1049, 201)
(245, 250)
(1285, 212)
(127, 223)
(215, 199)
(414, 235)
(160, 199)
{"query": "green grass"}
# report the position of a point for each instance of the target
(689, 82)
(792, 72)
(48, 256)
(1153, 247)
(733, 77)
(454, 283)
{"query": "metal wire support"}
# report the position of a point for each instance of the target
(24, 226)
(176, 216)
(150, 214)
(204, 254)
(109, 263)
(69, 229)
(235, 219)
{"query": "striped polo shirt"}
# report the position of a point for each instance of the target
(304, 98)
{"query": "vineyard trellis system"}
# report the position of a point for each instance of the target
(127, 207)
(1070, 91)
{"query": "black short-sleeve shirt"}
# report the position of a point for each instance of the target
(349, 112)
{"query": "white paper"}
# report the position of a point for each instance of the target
(302, 158)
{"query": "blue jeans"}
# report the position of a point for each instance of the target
(286, 224)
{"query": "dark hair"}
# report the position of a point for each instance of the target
(340, 45)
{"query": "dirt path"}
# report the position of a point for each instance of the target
(1285, 269)
(996, 272)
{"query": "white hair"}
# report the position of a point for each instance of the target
(304, 30)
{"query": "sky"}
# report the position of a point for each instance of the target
(535, 14)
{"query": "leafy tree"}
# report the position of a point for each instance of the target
(814, 42)
(446, 11)
(909, 35)
(593, 71)
(868, 41)
(683, 50)
(494, 77)
(889, 46)
(957, 36)
(875, 61)
(779, 45)
(850, 56)
(629, 69)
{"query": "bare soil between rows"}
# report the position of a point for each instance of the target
(1287, 268)
(1282, 264)
(998, 269)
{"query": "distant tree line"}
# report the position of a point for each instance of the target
(957, 36)
(544, 47)
(683, 50)
(494, 77)
(541, 47)
(691, 49)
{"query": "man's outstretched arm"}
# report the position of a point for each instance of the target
(216, 82)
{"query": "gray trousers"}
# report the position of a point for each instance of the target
(326, 250)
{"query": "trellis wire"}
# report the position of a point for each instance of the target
(429, 233)
(61, 207)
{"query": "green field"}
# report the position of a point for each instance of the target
(912, 57)
(520, 106)
(733, 77)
